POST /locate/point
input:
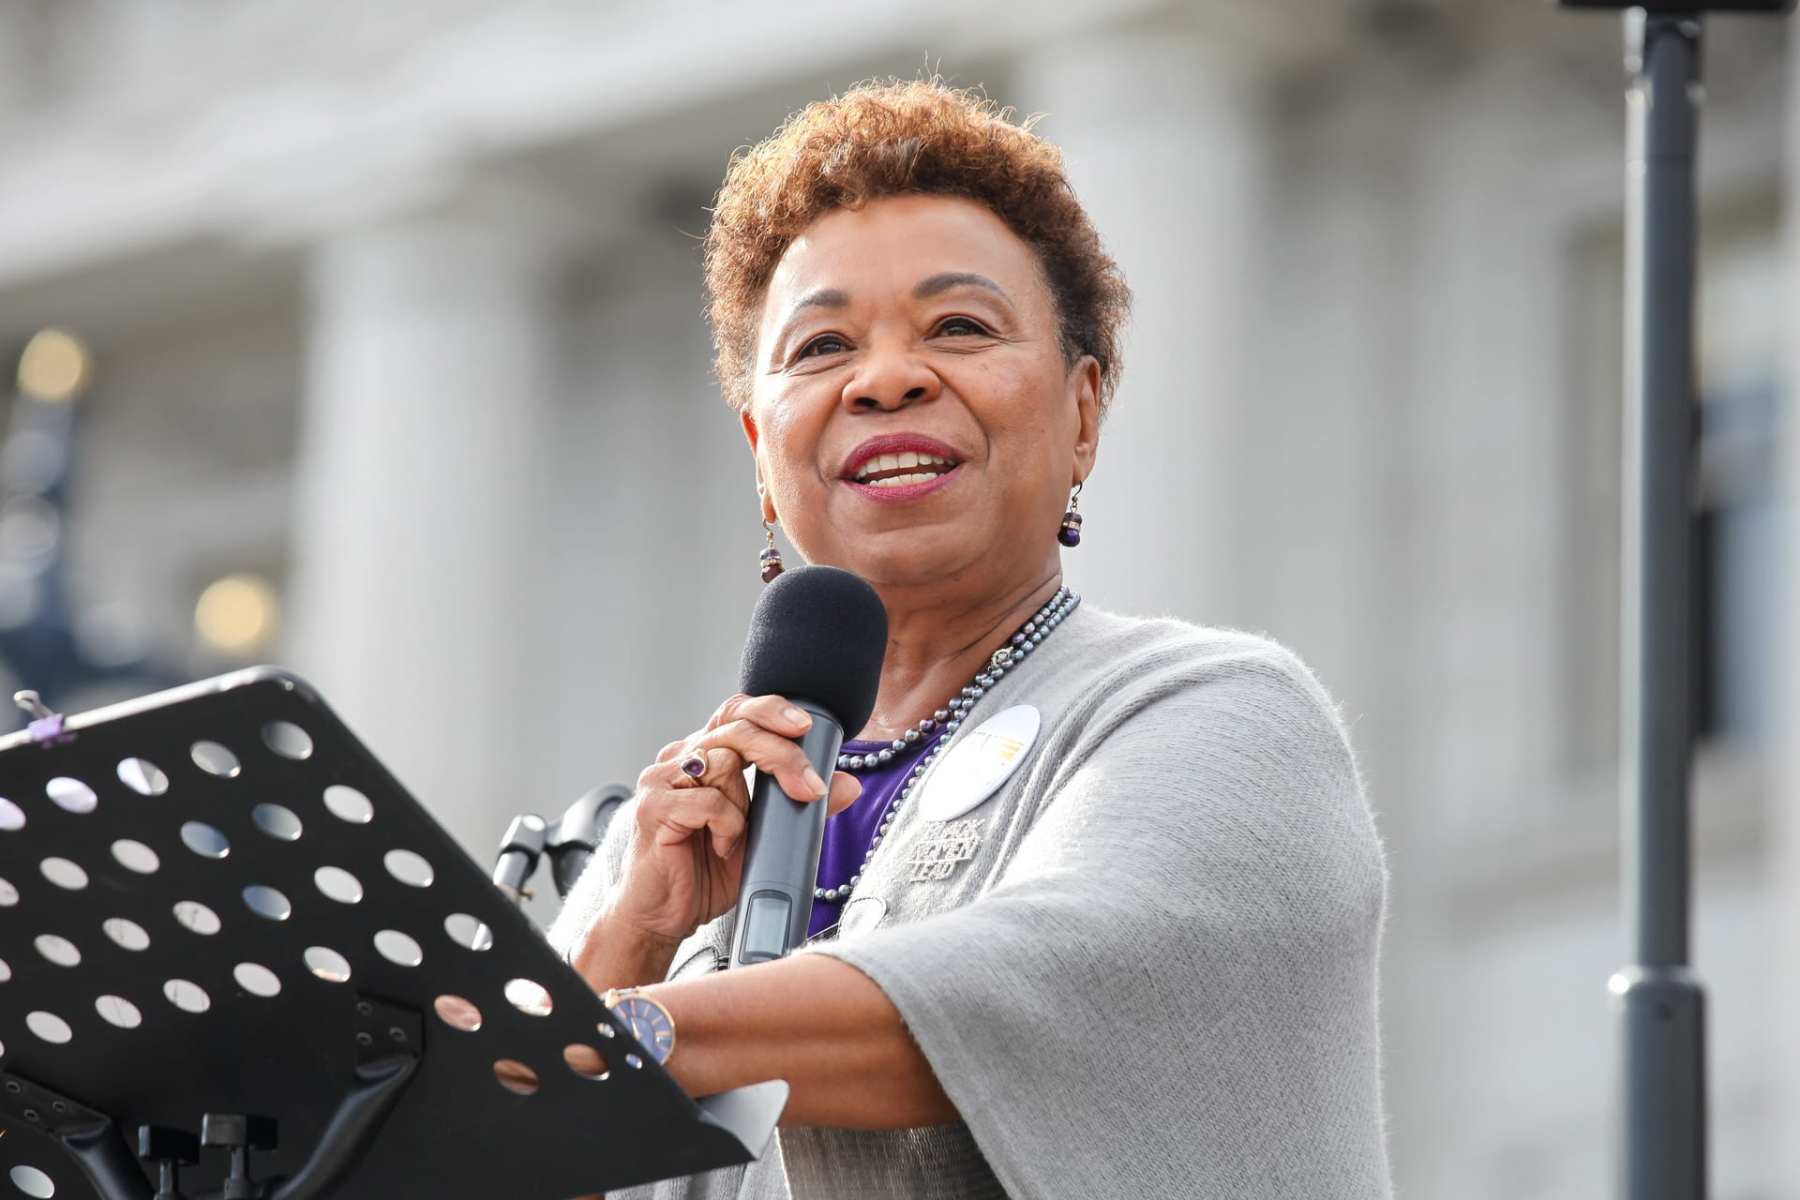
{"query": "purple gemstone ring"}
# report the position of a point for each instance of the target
(692, 768)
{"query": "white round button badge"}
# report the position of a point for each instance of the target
(861, 915)
(985, 758)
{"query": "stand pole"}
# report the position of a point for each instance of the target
(1658, 998)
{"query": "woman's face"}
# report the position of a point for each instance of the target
(912, 413)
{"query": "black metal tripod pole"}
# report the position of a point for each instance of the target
(1658, 997)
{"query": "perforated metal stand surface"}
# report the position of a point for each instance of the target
(216, 899)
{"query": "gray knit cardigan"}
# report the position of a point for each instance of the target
(1157, 974)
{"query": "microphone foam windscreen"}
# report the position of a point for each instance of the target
(818, 634)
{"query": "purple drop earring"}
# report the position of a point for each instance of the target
(771, 555)
(1070, 533)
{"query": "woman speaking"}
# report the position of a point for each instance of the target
(1101, 898)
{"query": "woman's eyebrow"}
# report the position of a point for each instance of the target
(823, 298)
(945, 280)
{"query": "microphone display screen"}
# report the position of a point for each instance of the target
(766, 926)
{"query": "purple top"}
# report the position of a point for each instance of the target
(848, 834)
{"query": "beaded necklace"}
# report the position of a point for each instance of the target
(1029, 637)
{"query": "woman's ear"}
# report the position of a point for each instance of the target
(751, 435)
(1084, 380)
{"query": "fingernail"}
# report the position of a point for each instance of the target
(814, 782)
(797, 716)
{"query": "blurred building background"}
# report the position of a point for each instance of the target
(398, 376)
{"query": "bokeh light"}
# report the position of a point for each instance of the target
(237, 615)
(55, 366)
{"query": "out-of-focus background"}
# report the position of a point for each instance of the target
(383, 359)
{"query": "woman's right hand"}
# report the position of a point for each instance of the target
(686, 857)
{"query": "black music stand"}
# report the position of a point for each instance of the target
(215, 900)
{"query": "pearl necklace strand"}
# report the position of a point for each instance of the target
(1030, 636)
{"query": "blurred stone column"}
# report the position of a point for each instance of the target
(420, 488)
(1161, 139)
(1784, 812)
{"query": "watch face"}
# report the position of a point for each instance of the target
(648, 1023)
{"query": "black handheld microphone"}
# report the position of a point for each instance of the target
(817, 637)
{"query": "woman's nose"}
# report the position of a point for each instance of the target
(890, 380)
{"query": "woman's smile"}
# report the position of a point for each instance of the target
(897, 468)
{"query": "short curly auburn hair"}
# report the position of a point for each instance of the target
(892, 138)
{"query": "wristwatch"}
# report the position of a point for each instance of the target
(647, 1020)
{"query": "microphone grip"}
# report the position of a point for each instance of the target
(781, 852)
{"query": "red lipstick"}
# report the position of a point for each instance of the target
(899, 443)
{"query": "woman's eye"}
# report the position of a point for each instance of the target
(825, 343)
(961, 325)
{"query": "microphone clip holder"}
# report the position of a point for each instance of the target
(520, 851)
(570, 841)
